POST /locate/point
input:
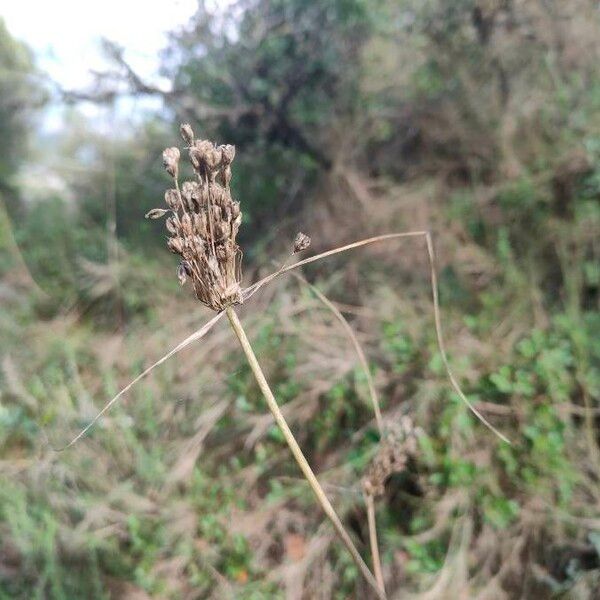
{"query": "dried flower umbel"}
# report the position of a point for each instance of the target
(203, 222)
(398, 445)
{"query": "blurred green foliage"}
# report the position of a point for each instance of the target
(20, 95)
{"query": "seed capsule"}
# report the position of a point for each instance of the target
(171, 161)
(186, 224)
(171, 225)
(175, 245)
(227, 153)
(156, 213)
(172, 199)
(302, 242)
(187, 133)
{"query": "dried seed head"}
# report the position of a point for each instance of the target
(187, 133)
(182, 273)
(156, 213)
(302, 242)
(171, 161)
(392, 457)
(205, 222)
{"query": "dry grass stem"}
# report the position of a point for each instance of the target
(370, 502)
(297, 452)
(254, 288)
(200, 333)
(251, 290)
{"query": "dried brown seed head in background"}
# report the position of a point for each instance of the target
(394, 452)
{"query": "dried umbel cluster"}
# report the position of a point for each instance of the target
(203, 221)
(393, 454)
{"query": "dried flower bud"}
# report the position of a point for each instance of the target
(302, 242)
(171, 160)
(156, 213)
(186, 224)
(198, 197)
(175, 245)
(187, 189)
(199, 244)
(213, 158)
(395, 450)
(187, 133)
(171, 225)
(196, 157)
(172, 199)
(204, 153)
(227, 153)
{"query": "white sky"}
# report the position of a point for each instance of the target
(65, 34)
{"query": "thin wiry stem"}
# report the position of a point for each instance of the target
(297, 452)
(192, 338)
(357, 347)
(370, 502)
(250, 291)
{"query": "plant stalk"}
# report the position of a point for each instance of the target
(370, 502)
(297, 452)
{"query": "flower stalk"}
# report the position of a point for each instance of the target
(322, 499)
(203, 223)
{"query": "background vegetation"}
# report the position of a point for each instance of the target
(476, 119)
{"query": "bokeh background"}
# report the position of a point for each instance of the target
(476, 119)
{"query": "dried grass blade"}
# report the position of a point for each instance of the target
(370, 502)
(357, 347)
(250, 291)
(192, 338)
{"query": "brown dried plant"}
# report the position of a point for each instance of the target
(203, 221)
